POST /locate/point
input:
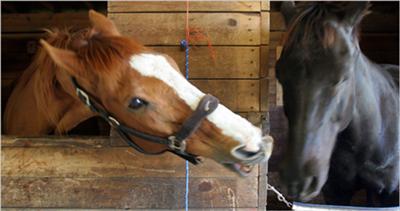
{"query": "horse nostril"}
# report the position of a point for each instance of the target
(242, 154)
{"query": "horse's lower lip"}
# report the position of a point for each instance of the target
(240, 168)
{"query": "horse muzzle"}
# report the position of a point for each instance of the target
(246, 160)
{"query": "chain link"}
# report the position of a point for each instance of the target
(280, 196)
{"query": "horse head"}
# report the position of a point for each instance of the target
(145, 91)
(316, 70)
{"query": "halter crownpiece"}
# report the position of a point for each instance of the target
(175, 143)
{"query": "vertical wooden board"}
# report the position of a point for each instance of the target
(262, 186)
(169, 28)
(36, 22)
(265, 5)
(276, 38)
(278, 52)
(279, 94)
(277, 22)
(180, 6)
(237, 95)
(264, 94)
(127, 193)
(229, 62)
(264, 59)
(100, 162)
(265, 28)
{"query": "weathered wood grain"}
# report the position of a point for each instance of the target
(265, 5)
(229, 62)
(180, 6)
(264, 94)
(100, 162)
(265, 28)
(264, 61)
(237, 95)
(221, 28)
(126, 193)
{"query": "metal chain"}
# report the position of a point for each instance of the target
(280, 196)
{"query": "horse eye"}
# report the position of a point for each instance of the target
(137, 103)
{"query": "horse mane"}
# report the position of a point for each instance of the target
(100, 55)
(312, 16)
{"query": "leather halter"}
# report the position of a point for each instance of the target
(175, 143)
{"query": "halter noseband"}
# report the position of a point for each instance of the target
(175, 143)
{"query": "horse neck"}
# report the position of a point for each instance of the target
(374, 98)
(37, 102)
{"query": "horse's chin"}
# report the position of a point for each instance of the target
(240, 168)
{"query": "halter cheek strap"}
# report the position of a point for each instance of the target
(175, 143)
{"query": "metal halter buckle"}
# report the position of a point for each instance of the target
(176, 145)
(83, 96)
(113, 121)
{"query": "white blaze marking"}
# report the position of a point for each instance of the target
(229, 123)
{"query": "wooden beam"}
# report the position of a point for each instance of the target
(221, 28)
(127, 193)
(237, 95)
(265, 28)
(180, 6)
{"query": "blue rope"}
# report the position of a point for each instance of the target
(185, 45)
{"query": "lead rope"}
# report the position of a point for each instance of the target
(185, 45)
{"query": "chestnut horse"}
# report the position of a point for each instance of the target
(342, 108)
(97, 71)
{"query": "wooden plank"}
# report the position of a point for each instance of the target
(126, 193)
(36, 22)
(262, 186)
(237, 95)
(229, 62)
(276, 38)
(101, 162)
(169, 28)
(180, 6)
(264, 60)
(265, 28)
(277, 22)
(264, 92)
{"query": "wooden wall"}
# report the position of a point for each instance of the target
(236, 30)
(100, 172)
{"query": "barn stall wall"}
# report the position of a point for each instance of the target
(101, 172)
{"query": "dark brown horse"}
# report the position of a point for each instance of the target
(342, 108)
(140, 92)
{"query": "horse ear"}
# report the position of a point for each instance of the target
(66, 59)
(355, 11)
(288, 10)
(102, 24)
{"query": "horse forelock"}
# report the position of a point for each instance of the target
(309, 25)
(101, 55)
